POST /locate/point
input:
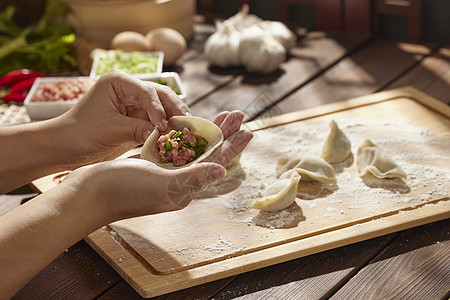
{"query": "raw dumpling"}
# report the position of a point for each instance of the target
(310, 168)
(199, 126)
(337, 147)
(281, 194)
(371, 159)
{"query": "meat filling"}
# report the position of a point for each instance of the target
(181, 147)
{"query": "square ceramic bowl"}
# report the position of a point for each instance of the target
(138, 64)
(50, 97)
(171, 79)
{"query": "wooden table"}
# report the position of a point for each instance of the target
(323, 68)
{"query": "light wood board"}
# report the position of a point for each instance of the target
(218, 234)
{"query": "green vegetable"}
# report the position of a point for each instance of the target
(131, 63)
(177, 134)
(163, 82)
(168, 145)
(200, 147)
(202, 142)
(43, 47)
(186, 144)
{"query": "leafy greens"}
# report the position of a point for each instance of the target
(42, 47)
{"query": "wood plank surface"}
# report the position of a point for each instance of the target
(313, 277)
(78, 273)
(415, 256)
(431, 76)
(416, 265)
(252, 93)
(310, 277)
(361, 73)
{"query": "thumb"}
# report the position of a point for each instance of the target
(189, 181)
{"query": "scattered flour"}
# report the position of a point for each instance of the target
(423, 156)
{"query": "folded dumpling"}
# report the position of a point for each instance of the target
(337, 147)
(371, 159)
(206, 136)
(309, 167)
(281, 194)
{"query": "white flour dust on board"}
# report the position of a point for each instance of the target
(423, 156)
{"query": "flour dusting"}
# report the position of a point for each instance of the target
(423, 156)
(221, 223)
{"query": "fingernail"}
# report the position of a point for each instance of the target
(217, 172)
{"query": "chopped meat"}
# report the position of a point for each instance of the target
(181, 147)
(62, 90)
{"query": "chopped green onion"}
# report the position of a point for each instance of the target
(199, 150)
(202, 142)
(186, 144)
(168, 146)
(131, 62)
(179, 132)
(200, 147)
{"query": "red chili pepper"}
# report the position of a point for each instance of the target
(14, 97)
(22, 86)
(13, 77)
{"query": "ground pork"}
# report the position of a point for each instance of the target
(180, 147)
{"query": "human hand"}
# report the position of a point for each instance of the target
(148, 189)
(125, 188)
(118, 113)
(235, 140)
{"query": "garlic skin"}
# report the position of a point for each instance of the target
(280, 32)
(222, 47)
(260, 52)
(243, 19)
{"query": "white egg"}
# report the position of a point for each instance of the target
(169, 41)
(128, 41)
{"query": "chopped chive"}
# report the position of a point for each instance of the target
(199, 150)
(168, 146)
(202, 142)
(177, 134)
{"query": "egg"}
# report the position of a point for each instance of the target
(128, 41)
(169, 41)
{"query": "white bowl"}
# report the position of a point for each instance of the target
(99, 57)
(53, 106)
(171, 79)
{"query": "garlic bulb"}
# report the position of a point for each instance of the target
(243, 19)
(280, 32)
(221, 48)
(260, 52)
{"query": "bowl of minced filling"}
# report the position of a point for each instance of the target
(187, 140)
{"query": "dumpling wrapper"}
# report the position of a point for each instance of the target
(281, 194)
(309, 167)
(337, 147)
(202, 127)
(372, 160)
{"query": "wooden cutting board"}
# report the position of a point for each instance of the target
(219, 234)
